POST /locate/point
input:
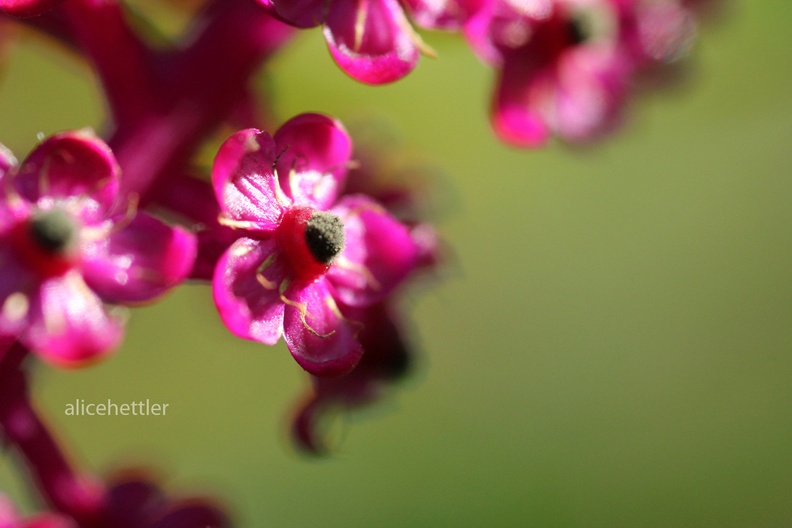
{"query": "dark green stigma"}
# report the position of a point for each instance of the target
(54, 231)
(578, 29)
(324, 235)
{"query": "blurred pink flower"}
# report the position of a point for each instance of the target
(566, 67)
(69, 244)
(562, 67)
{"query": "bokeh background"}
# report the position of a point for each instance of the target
(611, 345)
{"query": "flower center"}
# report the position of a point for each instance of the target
(53, 231)
(578, 29)
(47, 242)
(310, 239)
(324, 235)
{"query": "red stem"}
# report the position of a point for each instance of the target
(21, 427)
(121, 60)
(205, 82)
(50, 23)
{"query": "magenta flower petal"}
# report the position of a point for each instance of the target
(7, 160)
(371, 40)
(319, 337)
(300, 13)
(16, 283)
(71, 165)
(514, 118)
(588, 93)
(27, 8)
(246, 289)
(664, 31)
(314, 152)
(379, 252)
(478, 33)
(442, 14)
(68, 323)
(139, 262)
(7, 164)
(244, 182)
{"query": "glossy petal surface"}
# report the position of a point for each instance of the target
(371, 40)
(244, 181)
(315, 151)
(246, 289)
(379, 252)
(69, 324)
(71, 167)
(139, 262)
(321, 340)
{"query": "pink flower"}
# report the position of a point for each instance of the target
(69, 244)
(371, 40)
(562, 67)
(566, 67)
(303, 252)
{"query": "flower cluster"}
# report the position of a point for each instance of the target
(287, 226)
(565, 68)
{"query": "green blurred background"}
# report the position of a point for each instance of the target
(612, 346)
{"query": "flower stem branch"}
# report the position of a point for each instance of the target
(204, 82)
(122, 61)
(20, 427)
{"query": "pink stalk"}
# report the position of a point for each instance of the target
(201, 88)
(122, 62)
(164, 103)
